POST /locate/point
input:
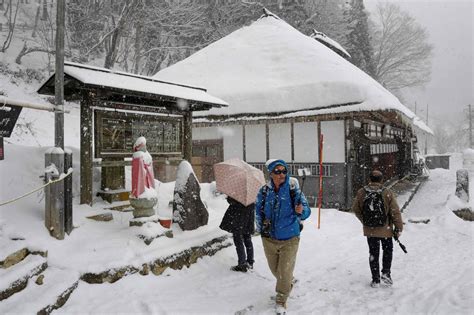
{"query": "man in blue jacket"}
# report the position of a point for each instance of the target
(280, 207)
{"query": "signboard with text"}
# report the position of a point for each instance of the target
(8, 117)
(116, 132)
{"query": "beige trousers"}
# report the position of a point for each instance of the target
(281, 258)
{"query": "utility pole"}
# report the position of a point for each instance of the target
(426, 138)
(59, 77)
(470, 126)
(58, 194)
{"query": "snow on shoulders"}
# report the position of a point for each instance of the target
(138, 154)
(146, 156)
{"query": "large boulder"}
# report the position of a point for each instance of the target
(188, 209)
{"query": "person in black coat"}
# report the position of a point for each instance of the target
(240, 221)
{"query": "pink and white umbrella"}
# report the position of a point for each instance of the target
(238, 180)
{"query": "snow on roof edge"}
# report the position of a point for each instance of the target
(126, 81)
(132, 75)
(414, 120)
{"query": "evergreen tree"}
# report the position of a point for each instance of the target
(328, 18)
(358, 42)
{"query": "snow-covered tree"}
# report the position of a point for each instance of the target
(358, 42)
(402, 54)
(327, 17)
(154, 34)
(102, 26)
(11, 13)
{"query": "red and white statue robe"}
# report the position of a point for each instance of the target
(142, 173)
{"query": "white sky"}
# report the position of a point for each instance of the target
(450, 27)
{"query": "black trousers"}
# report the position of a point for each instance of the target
(243, 245)
(374, 252)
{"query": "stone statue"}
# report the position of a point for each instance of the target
(143, 197)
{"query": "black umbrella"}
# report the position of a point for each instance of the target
(395, 237)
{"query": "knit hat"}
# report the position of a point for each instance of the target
(272, 163)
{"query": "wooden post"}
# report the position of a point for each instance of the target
(59, 77)
(54, 193)
(267, 141)
(244, 145)
(188, 136)
(292, 141)
(86, 149)
(68, 192)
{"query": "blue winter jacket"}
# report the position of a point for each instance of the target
(279, 209)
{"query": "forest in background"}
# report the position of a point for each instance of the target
(145, 36)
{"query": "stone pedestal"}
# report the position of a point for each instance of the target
(112, 186)
(143, 207)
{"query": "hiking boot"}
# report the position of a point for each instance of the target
(241, 268)
(375, 284)
(249, 265)
(386, 279)
(280, 308)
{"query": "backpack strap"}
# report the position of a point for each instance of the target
(264, 197)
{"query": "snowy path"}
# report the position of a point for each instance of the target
(436, 276)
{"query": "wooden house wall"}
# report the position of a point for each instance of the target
(306, 146)
(297, 143)
(280, 141)
(354, 143)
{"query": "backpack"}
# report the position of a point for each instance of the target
(373, 210)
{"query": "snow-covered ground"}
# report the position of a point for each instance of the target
(436, 276)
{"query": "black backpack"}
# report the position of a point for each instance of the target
(373, 211)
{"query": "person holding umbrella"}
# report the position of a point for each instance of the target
(280, 207)
(240, 182)
(239, 220)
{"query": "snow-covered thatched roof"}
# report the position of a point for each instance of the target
(122, 81)
(269, 67)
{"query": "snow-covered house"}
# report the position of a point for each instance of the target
(285, 89)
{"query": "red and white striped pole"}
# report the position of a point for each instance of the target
(320, 196)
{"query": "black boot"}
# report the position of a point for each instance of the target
(241, 268)
(386, 279)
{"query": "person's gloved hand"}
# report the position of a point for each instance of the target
(299, 209)
(397, 233)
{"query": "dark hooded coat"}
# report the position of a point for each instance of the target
(238, 219)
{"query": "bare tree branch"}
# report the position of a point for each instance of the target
(402, 55)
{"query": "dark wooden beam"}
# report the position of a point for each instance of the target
(188, 136)
(86, 150)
